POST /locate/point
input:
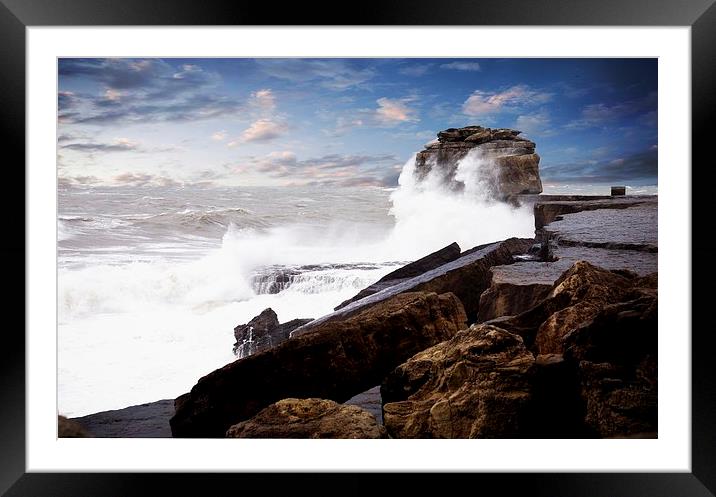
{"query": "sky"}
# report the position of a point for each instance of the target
(345, 122)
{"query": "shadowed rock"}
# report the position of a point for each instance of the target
(336, 360)
(616, 356)
(309, 418)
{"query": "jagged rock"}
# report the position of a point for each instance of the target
(416, 268)
(616, 355)
(475, 385)
(263, 332)
(309, 418)
(515, 163)
(334, 360)
(67, 428)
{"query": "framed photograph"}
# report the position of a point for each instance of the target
(437, 231)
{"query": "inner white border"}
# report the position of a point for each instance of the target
(671, 452)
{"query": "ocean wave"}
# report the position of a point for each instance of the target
(201, 218)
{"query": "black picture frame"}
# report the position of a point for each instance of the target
(16, 15)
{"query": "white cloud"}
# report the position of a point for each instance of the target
(112, 95)
(391, 111)
(219, 135)
(415, 70)
(262, 130)
(534, 124)
(282, 157)
(461, 66)
(264, 99)
(334, 74)
(600, 114)
(482, 103)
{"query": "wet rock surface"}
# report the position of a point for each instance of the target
(263, 332)
(309, 418)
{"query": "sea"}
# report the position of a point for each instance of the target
(152, 280)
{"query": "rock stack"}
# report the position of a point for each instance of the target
(514, 163)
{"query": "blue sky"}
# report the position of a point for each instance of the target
(345, 122)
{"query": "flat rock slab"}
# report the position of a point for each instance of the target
(335, 361)
(466, 277)
(549, 208)
(415, 268)
(633, 227)
(149, 420)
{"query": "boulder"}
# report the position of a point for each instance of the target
(263, 332)
(514, 163)
(334, 360)
(416, 268)
(475, 385)
(67, 428)
(309, 418)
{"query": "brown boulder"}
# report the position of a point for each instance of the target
(309, 418)
(66, 428)
(335, 360)
(475, 385)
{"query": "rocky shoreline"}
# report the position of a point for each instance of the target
(549, 337)
(493, 290)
